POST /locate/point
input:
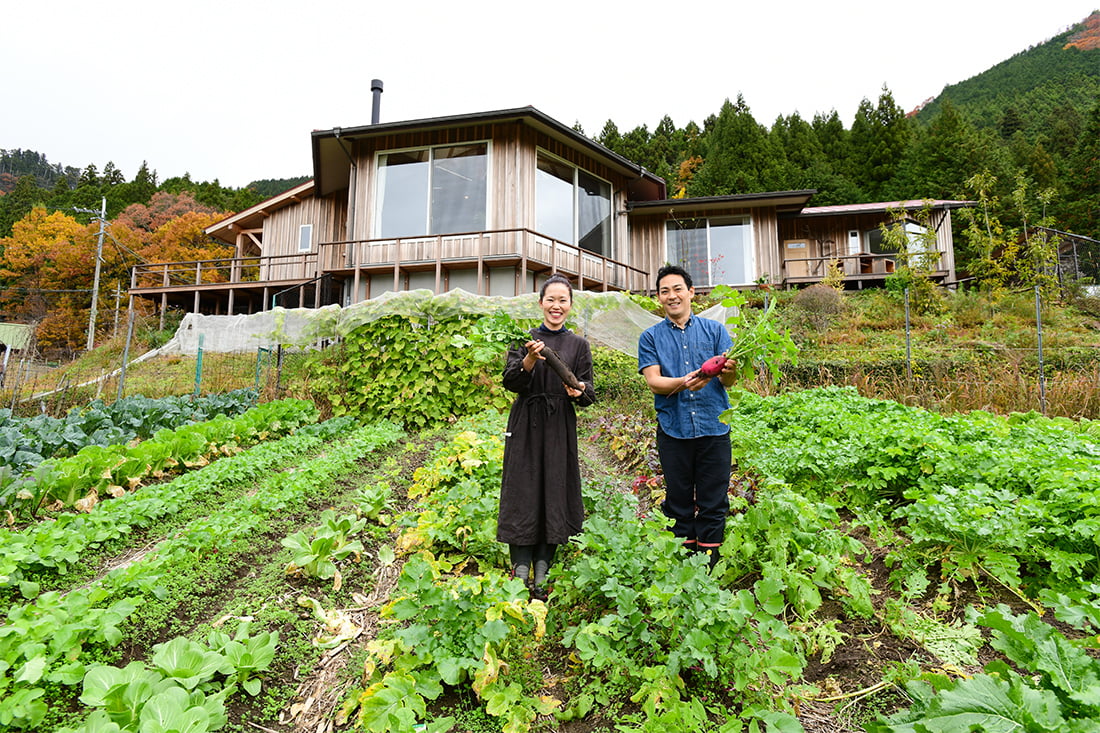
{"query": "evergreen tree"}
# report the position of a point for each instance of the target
(609, 136)
(942, 158)
(734, 153)
(634, 146)
(17, 204)
(1011, 122)
(800, 152)
(665, 147)
(89, 176)
(112, 176)
(880, 136)
(836, 145)
(1081, 213)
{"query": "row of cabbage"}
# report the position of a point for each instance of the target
(55, 640)
(26, 442)
(51, 547)
(1002, 502)
(96, 472)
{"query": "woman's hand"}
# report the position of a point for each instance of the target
(533, 354)
(574, 393)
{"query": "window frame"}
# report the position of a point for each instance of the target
(610, 241)
(305, 233)
(376, 204)
(744, 220)
(915, 234)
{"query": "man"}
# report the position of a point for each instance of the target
(693, 445)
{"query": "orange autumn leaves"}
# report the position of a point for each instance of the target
(47, 265)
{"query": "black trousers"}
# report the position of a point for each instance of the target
(697, 479)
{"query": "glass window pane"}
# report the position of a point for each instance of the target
(687, 247)
(594, 213)
(731, 254)
(305, 237)
(403, 194)
(459, 188)
(554, 199)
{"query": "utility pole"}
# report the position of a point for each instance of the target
(102, 216)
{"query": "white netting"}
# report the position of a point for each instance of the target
(610, 319)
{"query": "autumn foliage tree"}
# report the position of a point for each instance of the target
(47, 270)
(48, 263)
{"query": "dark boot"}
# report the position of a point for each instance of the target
(522, 557)
(544, 556)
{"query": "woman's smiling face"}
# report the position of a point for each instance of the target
(556, 302)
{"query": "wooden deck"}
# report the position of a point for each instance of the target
(248, 284)
(859, 268)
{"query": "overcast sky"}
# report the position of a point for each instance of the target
(231, 90)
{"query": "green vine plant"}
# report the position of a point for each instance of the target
(490, 337)
(408, 369)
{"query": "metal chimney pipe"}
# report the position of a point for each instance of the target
(376, 90)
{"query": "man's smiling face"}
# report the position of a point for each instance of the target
(675, 297)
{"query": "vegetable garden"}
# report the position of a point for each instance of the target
(279, 566)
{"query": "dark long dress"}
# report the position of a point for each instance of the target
(540, 493)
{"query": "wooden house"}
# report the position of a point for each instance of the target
(494, 203)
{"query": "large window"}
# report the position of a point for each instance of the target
(441, 190)
(713, 251)
(573, 206)
(914, 233)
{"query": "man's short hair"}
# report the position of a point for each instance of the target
(673, 270)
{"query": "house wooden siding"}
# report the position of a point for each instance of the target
(513, 155)
(326, 214)
(513, 151)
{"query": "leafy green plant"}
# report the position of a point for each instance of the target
(406, 369)
(755, 340)
(245, 656)
(454, 629)
(316, 553)
(1061, 691)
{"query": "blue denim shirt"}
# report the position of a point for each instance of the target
(679, 351)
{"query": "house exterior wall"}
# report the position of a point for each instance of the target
(280, 235)
(513, 148)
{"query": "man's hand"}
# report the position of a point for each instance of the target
(696, 381)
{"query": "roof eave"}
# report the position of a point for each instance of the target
(783, 201)
(332, 165)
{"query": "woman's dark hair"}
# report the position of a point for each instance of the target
(673, 270)
(556, 279)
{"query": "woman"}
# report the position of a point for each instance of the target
(540, 493)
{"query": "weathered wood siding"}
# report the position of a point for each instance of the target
(513, 149)
(649, 239)
(281, 231)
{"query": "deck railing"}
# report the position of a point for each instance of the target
(229, 270)
(863, 264)
(526, 249)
